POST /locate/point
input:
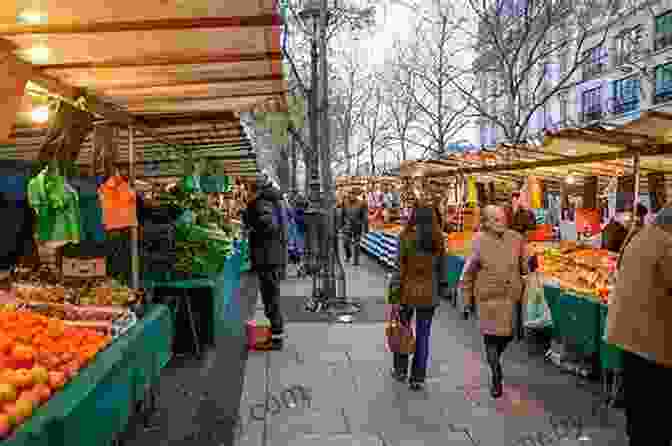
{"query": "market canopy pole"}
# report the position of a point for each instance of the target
(135, 256)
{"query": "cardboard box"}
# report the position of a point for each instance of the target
(77, 268)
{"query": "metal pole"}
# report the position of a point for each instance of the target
(135, 256)
(328, 198)
(636, 173)
(313, 171)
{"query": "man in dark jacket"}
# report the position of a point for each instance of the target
(354, 218)
(268, 248)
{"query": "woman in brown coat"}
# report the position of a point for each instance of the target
(493, 283)
(420, 257)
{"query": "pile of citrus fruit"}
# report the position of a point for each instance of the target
(38, 356)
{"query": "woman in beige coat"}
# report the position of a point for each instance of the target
(492, 282)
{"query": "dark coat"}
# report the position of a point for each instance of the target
(523, 221)
(268, 229)
(354, 218)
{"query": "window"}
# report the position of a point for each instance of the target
(625, 96)
(629, 45)
(663, 83)
(563, 108)
(595, 62)
(488, 134)
(663, 31)
(591, 102)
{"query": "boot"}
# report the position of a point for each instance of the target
(496, 388)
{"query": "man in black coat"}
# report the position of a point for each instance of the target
(354, 221)
(265, 218)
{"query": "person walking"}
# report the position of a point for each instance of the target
(268, 248)
(640, 313)
(419, 258)
(354, 221)
(492, 282)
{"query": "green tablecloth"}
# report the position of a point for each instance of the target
(582, 321)
(225, 287)
(611, 356)
(96, 405)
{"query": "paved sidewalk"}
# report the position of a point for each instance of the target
(330, 385)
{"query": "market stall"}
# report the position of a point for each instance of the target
(575, 272)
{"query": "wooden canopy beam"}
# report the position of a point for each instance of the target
(158, 99)
(168, 60)
(177, 84)
(266, 20)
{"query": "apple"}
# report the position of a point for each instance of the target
(56, 380)
(5, 425)
(43, 392)
(24, 408)
(40, 375)
(24, 378)
(7, 392)
(15, 418)
(30, 396)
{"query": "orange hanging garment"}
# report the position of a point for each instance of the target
(119, 204)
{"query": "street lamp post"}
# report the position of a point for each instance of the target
(320, 217)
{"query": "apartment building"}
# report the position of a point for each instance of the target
(631, 72)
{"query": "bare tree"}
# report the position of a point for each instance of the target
(374, 122)
(425, 75)
(347, 102)
(526, 53)
(400, 85)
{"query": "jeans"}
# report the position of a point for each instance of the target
(644, 382)
(351, 246)
(423, 325)
(269, 285)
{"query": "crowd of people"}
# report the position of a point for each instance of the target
(492, 285)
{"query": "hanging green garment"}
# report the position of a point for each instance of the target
(57, 207)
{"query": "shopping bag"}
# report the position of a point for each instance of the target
(400, 337)
(393, 290)
(537, 312)
(258, 335)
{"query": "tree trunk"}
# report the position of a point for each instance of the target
(282, 167)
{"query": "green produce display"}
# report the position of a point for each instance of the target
(202, 250)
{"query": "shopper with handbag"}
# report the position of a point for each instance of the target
(493, 284)
(420, 256)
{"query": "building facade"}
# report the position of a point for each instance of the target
(631, 72)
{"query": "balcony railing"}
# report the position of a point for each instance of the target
(663, 41)
(621, 107)
(591, 115)
(663, 95)
(593, 70)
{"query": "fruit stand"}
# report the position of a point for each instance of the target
(96, 403)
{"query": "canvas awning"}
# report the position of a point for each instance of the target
(183, 69)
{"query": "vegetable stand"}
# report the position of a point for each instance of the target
(225, 319)
(97, 404)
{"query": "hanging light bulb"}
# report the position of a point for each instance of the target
(40, 115)
(570, 179)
